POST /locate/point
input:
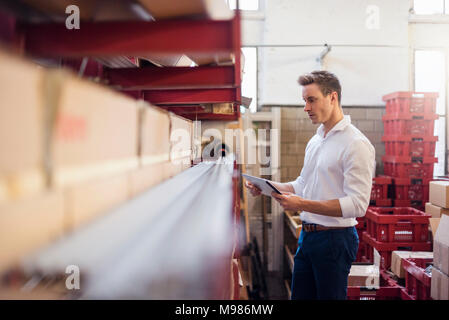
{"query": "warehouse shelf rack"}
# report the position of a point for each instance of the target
(292, 230)
(137, 227)
(181, 90)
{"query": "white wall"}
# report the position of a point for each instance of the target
(369, 62)
(433, 36)
(429, 35)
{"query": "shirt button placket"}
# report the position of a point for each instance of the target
(317, 161)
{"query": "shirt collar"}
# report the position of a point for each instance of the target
(340, 125)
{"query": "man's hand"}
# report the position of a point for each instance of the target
(288, 200)
(255, 191)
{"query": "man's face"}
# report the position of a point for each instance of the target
(317, 105)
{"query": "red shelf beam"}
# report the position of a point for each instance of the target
(148, 78)
(210, 116)
(185, 109)
(164, 86)
(130, 38)
(191, 96)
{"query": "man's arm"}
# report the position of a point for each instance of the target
(293, 202)
(358, 173)
(329, 208)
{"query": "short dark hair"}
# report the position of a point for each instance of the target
(326, 81)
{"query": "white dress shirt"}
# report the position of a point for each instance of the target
(338, 166)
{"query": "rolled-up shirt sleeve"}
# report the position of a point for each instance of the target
(298, 185)
(358, 164)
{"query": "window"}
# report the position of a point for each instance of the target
(250, 5)
(431, 6)
(430, 77)
(249, 79)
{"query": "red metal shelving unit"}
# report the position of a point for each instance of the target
(170, 87)
(181, 90)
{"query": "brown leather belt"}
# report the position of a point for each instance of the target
(312, 227)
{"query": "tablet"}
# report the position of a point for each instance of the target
(263, 184)
(273, 187)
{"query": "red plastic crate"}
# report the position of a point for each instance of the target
(386, 291)
(381, 203)
(410, 146)
(361, 223)
(409, 160)
(383, 293)
(385, 255)
(380, 187)
(380, 191)
(417, 282)
(360, 227)
(411, 189)
(390, 278)
(385, 249)
(409, 167)
(415, 103)
(409, 125)
(361, 251)
(417, 204)
(393, 225)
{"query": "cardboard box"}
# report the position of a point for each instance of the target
(376, 257)
(441, 246)
(154, 135)
(94, 132)
(28, 224)
(435, 211)
(168, 60)
(364, 276)
(180, 137)
(439, 193)
(38, 293)
(213, 59)
(146, 177)
(90, 199)
(397, 256)
(179, 165)
(433, 225)
(439, 286)
(21, 127)
(57, 129)
(175, 167)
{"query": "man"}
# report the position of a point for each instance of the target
(333, 189)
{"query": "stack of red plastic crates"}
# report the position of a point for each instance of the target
(390, 229)
(381, 192)
(410, 145)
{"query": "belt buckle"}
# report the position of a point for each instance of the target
(309, 227)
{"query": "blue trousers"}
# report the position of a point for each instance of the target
(322, 264)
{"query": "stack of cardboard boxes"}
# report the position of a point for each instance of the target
(72, 150)
(439, 208)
